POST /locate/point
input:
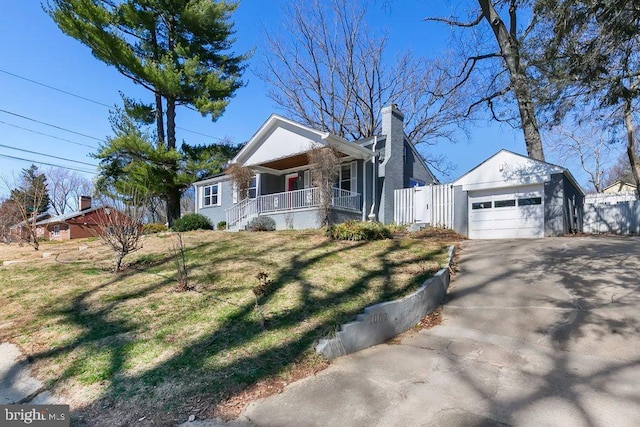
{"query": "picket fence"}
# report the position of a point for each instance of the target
(431, 204)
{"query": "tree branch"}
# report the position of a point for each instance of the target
(454, 23)
(488, 100)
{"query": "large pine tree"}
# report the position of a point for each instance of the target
(32, 193)
(179, 50)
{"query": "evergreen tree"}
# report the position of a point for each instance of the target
(131, 161)
(179, 50)
(32, 193)
(587, 54)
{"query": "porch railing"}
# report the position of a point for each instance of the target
(290, 200)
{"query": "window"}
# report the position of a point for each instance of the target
(253, 186)
(504, 203)
(211, 195)
(415, 183)
(530, 201)
(56, 230)
(481, 205)
(347, 177)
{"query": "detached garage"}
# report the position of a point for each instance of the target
(513, 196)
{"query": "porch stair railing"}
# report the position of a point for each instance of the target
(239, 215)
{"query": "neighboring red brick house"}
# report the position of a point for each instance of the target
(75, 225)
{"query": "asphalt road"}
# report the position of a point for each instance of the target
(535, 332)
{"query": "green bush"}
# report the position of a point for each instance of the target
(358, 230)
(261, 223)
(192, 222)
(222, 225)
(154, 228)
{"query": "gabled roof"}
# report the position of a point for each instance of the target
(39, 217)
(620, 184)
(511, 169)
(68, 216)
(280, 138)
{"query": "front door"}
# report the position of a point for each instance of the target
(291, 184)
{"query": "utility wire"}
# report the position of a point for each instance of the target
(47, 164)
(98, 102)
(55, 88)
(46, 134)
(48, 155)
(50, 125)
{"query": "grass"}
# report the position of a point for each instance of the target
(122, 347)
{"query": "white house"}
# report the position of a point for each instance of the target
(369, 172)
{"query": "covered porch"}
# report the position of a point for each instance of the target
(290, 202)
(279, 156)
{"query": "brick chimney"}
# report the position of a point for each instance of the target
(84, 203)
(391, 169)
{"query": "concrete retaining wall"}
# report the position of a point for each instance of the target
(383, 321)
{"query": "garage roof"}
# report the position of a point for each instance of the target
(507, 169)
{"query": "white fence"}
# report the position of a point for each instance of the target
(610, 198)
(431, 204)
(621, 218)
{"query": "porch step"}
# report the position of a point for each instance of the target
(417, 226)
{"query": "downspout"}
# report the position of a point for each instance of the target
(364, 191)
(374, 174)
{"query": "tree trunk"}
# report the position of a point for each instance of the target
(159, 118)
(631, 148)
(158, 96)
(173, 192)
(510, 52)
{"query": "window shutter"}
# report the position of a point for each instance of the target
(354, 177)
(234, 190)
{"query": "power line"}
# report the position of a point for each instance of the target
(47, 164)
(98, 102)
(50, 125)
(55, 88)
(48, 155)
(46, 134)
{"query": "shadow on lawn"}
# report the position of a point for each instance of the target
(597, 292)
(165, 394)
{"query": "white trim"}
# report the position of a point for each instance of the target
(218, 195)
(286, 180)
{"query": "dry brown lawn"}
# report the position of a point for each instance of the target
(122, 347)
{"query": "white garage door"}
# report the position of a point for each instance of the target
(516, 212)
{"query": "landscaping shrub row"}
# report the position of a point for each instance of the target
(358, 230)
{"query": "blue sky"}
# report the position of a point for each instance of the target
(34, 48)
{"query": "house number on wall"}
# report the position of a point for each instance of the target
(379, 317)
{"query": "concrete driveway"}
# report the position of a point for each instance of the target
(535, 332)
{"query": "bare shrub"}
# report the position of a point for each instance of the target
(324, 172)
(180, 260)
(241, 177)
(120, 225)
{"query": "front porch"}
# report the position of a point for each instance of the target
(305, 203)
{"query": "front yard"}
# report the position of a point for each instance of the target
(125, 348)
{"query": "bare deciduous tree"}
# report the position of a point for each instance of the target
(324, 172)
(329, 71)
(9, 216)
(65, 187)
(510, 77)
(587, 145)
(120, 225)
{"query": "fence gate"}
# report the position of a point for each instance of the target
(431, 204)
